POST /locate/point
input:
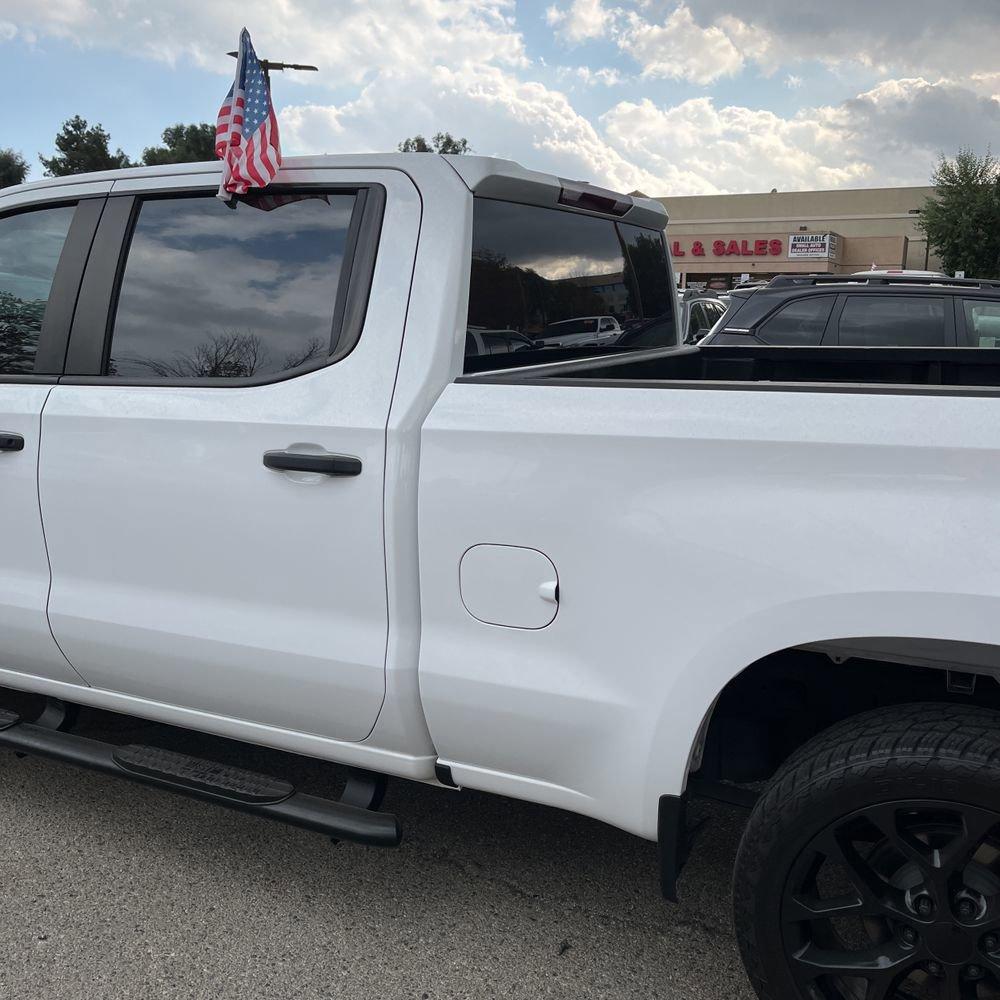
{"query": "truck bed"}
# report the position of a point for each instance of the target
(845, 369)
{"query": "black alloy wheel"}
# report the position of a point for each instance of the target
(870, 868)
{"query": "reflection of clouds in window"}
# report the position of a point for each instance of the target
(30, 245)
(209, 291)
(559, 268)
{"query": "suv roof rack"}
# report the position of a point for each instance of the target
(783, 280)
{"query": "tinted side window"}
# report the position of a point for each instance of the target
(892, 321)
(982, 323)
(559, 279)
(209, 291)
(30, 245)
(798, 324)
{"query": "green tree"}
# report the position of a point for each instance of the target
(81, 149)
(443, 142)
(13, 168)
(962, 220)
(182, 144)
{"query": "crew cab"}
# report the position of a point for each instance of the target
(259, 480)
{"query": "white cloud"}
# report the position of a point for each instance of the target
(7, 31)
(582, 20)
(606, 76)
(503, 115)
(680, 48)
(731, 148)
(793, 82)
(890, 134)
(346, 39)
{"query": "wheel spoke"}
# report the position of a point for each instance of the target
(799, 908)
(976, 826)
(875, 891)
(875, 962)
(951, 987)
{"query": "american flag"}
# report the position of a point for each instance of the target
(246, 134)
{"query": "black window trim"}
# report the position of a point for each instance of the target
(90, 336)
(63, 294)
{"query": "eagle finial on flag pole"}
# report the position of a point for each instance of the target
(246, 133)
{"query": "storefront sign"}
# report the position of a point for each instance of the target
(813, 246)
(727, 248)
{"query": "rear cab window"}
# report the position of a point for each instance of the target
(549, 284)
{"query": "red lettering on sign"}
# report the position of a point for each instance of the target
(698, 248)
(733, 248)
(676, 249)
(719, 248)
(775, 247)
(760, 248)
(745, 249)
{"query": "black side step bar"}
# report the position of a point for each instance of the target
(201, 779)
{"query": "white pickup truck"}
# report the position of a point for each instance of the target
(258, 481)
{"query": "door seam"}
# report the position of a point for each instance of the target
(45, 541)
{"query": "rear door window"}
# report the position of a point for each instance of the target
(800, 323)
(893, 321)
(30, 245)
(982, 323)
(565, 284)
(213, 291)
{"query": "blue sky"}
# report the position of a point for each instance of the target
(670, 97)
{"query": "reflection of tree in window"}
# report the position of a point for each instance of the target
(228, 355)
(646, 269)
(208, 292)
(20, 325)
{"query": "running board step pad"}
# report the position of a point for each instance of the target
(179, 768)
(200, 779)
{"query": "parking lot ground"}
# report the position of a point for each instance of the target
(113, 890)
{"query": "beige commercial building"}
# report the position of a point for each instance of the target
(716, 240)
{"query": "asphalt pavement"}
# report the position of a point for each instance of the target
(112, 890)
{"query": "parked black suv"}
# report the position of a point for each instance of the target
(841, 310)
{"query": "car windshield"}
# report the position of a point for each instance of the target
(558, 277)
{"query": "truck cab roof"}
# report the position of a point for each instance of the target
(484, 176)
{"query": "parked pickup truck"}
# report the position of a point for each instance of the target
(252, 485)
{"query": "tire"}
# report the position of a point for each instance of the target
(898, 810)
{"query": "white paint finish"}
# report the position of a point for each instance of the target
(418, 767)
(694, 531)
(66, 189)
(186, 572)
(24, 569)
(509, 585)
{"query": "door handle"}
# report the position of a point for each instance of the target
(327, 465)
(11, 442)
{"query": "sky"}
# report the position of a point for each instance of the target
(668, 97)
